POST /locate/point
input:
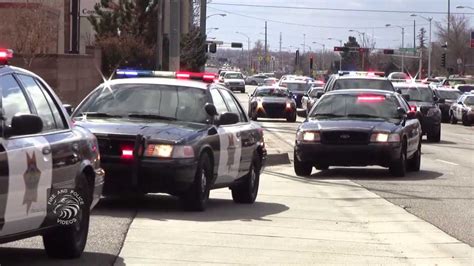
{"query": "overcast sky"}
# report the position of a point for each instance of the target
(243, 19)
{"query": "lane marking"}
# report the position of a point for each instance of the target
(447, 162)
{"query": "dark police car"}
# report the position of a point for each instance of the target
(359, 128)
(272, 102)
(173, 135)
(449, 96)
(50, 175)
(298, 86)
(423, 102)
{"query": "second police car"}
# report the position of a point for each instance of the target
(50, 175)
(174, 135)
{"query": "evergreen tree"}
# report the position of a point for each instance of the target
(350, 58)
(193, 50)
(421, 38)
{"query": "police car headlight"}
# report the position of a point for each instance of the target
(385, 137)
(169, 151)
(308, 136)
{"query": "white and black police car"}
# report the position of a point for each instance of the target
(179, 133)
(50, 175)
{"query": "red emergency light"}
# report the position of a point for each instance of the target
(5, 55)
(206, 77)
(370, 98)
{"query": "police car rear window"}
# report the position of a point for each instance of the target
(344, 84)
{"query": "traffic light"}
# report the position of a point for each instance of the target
(388, 51)
(213, 48)
(236, 45)
(443, 60)
(297, 57)
(311, 63)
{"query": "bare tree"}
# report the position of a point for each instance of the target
(458, 41)
(33, 29)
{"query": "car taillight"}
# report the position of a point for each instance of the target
(127, 152)
(370, 98)
(413, 109)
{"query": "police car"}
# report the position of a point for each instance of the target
(165, 132)
(50, 175)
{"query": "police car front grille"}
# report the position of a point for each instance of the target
(112, 146)
(345, 137)
(274, 107)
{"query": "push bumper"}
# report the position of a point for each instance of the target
(382, 154)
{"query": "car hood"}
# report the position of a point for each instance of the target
(234, 80)
(173, 131)
(349, 125)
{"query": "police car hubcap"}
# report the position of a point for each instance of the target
(253, 178)
(203, 182)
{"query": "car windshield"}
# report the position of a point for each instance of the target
(469, 101)
(297, 86)
(233, 76)
(366, 106)
(271, 92)
(147, 100)
(465, 88)
(343, 84)
(418, 94)
(449, 95)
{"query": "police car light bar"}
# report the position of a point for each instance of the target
(5, 54)
(130, 73)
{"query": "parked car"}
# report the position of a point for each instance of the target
(449, 96)
(169, 134)
(297, 87)
(354, 80)
(270, 81)
(50, 173)
(234, 81)
(255, 79)
(375, 127)
(464, 88)
(425, 105)
(272, 102)
(451, 82)
(398, 77)
(463, 110)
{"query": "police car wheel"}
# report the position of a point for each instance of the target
(291, 117)
(68, 242)
(415, 162)
(301, 168)
(196, 198)
(398, 167)
(465, 121)
(434, 136)
(254, 116)
(247, 190)
(452, 119)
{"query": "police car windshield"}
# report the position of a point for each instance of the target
(469, 101)
(356, 106)
(297, 86)
(271, 92)
(418, 94)
(450, 95)
(148, 101)
(343, 84)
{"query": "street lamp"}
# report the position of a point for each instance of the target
(248, 48)
(403, 43)
(324, 51)
(429, 19)
(222, 15)
(468, 7)
(211, 29)
(304, 45)
(340, 55)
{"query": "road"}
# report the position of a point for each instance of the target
(441, 194)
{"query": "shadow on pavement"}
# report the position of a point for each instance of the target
(426, 142)
(25, 256)
(165, 207)
(373, 174)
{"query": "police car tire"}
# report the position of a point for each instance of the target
(465, 121)
(254, 116)
(415, 162)
(196, 198)
(246, 191)
(398, 167)
(452, 119)
(435, 137)
(291, 117)
(68, 242)
(242, 90)
(301, 168)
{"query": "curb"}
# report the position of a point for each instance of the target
(277, 159)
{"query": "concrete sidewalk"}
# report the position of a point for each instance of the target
(295, 221)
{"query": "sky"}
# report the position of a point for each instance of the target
(319, 25)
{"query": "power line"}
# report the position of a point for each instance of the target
(338, 9)
(295, 24)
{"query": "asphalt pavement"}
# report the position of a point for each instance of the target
(439, 196)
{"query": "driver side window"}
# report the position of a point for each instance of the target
(13, 99)
(218, 101)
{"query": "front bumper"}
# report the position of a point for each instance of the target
(149, 175)
(382, 154)
(275, 113)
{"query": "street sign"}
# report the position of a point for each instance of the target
(472, 39)
(236, 45)
(260, 58)
(87, 7)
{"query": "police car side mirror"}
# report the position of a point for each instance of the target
(319, 94)
(69, 109)
(25, 124)
(228, 118)
(210, 109)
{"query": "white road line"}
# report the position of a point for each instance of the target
(447, 162)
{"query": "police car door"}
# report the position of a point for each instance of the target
(26, 169)
(237, 140)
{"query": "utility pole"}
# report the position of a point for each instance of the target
(75, 25)
(159, 38)
(281, 57)
(403, 51)
(265, 66)
(414, 37)
(175, 35)
(304, 43)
